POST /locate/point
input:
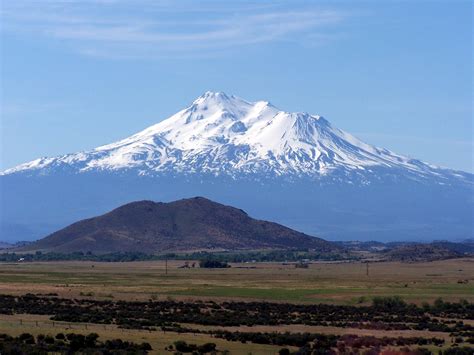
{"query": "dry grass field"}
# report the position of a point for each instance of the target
(340, 283)
(336, 283)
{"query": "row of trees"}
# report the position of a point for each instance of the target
(227, 257)
(68, 344)
(327, 344)
(388, 313)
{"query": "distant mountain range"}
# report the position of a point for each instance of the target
(410, 251)
(5, 245)
(195, 224)
(294, 168)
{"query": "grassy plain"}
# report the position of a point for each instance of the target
(340, 283)
(337, 283)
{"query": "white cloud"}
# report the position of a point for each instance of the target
(148, 28)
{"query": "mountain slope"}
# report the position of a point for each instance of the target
(293, 168)
(226, 135)
(190, 224)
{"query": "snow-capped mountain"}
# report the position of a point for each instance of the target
(292, 168)
(226, 135)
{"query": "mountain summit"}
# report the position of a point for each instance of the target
(226, 135)
(293, 168)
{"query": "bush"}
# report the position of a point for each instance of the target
(206, 348)
(213, 264)
(146, 346)
(183, 347)
(27, 338)
(389, 303)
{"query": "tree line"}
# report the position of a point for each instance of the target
(390, 313)
(70, 343)
(225, 257)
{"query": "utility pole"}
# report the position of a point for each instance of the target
(166, 266)
(367, 268)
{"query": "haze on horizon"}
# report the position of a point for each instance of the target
(79, 74)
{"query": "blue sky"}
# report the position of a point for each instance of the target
(79, 74)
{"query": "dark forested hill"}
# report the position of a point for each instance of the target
(184, 225)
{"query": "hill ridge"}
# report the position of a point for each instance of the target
(184, 225)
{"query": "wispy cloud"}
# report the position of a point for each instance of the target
(162, 28)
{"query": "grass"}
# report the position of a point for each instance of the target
(339, 283)
(343, 283)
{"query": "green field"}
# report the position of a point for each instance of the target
(344, 283)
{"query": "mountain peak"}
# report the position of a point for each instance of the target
(217, 94)
(225, 135)
(227, 103)
(213, 97)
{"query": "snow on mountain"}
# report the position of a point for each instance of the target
(226, 135)
(292, 168)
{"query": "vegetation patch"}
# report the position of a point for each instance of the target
(68, 344)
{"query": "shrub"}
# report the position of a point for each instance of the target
(213, 264)
(183, 347)
(206, 348)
